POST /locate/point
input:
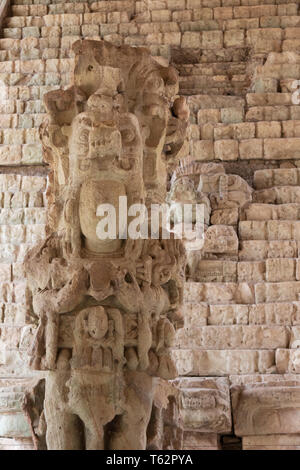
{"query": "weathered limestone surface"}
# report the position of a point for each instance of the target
(238, 62)
(266, 408)
(107, 308)
(242, 294)
(272, 442)
(205, 404)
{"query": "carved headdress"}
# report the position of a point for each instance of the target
(135, 98)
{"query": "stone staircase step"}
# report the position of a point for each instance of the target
(192, 34)
(246, 149)
(47, 2)
(257, 250)
(247, 130)
(22, 107)
(261, 211)
(24, 216)
(17, 121)
(16, 444)
(277, 291)
(270, 270)
(13, 183)
(278, 195)
(204, 102)
(20, 234)
(35, 48)
(272, 113)
(11, 253)
(19, 46)
(25, 93)
(279, 71)
(271, 230)
(228, 87)
(155, 6)
(218, 13)
(241, 293)
(240, 311)
(202, 314)
(23, 21)
(268, 99)
(233, 337)
(36, 79)
(27, 154)
(218, 293)
(227, 362)
(264, 179)
(19, 136)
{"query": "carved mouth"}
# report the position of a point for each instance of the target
(98, 161)
(104, 153)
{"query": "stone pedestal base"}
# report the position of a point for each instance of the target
(16, 444)
(193, 440)
(272, 442)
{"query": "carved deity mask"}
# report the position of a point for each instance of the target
(111, 125)
(97, 144)
(94, 143)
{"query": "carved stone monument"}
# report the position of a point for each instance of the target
(106, 309)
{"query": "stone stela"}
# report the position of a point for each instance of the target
(159, 344)
(107, 309)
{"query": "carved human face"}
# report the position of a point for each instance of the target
(96, 323)
(154, 83)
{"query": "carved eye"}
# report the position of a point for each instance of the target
(83, 137)
(104, 107)
(155, 83)
(128, 135)
(90, 68)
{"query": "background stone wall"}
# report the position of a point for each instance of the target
(238, 60)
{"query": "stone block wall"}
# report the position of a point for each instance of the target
(238, 61)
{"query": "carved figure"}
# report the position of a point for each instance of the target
(106, 308)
